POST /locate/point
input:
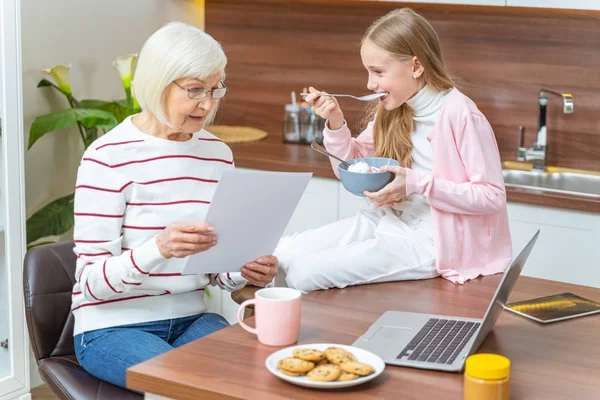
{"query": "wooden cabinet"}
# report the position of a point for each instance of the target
(466, 2)
(14, 348)
(570, 4)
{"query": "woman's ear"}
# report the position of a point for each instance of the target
(417, 68)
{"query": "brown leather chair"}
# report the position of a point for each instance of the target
(48, 279)
(243, 294)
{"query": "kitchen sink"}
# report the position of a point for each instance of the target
(556, 182)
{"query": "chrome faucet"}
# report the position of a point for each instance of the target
(537, 153)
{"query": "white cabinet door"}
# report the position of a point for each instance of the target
(468, 2)
(568, 247)
(570, 4)
(317, 207)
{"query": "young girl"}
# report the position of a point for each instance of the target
(445, 211)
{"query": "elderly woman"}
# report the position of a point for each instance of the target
(142, 192)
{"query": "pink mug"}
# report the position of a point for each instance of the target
(277, 312)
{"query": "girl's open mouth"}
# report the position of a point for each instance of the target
(196, 118)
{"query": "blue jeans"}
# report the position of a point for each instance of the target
(107, 353)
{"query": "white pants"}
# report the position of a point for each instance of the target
(377, 245)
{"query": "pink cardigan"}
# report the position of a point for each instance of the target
(465, 190)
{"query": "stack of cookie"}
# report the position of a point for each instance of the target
(332, 364)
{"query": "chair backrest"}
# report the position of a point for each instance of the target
(48, 279)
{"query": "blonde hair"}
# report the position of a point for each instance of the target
(404, 34)
(175, 51)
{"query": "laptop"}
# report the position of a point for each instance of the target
(438, 342)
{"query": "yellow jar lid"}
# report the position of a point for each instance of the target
(487, 366)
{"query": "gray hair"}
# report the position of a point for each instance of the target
(175, 51)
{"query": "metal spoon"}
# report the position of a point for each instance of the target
(322, 150)
(368, 97)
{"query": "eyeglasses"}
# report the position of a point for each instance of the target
(201, 93)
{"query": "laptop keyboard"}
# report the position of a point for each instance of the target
(440, 341)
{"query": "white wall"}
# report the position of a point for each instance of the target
(89, 34)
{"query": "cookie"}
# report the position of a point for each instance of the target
(291, 373)
(325, 373)
(295, 365)
(337, 355)
(346, 376)
(308, 354)
(323, 361)
(357, 368)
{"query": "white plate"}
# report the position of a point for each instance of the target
(361, 355)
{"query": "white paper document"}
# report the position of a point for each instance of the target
(249, 211)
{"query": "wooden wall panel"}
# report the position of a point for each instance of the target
(502, 55)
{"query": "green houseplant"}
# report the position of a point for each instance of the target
(92, 118)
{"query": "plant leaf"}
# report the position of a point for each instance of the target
(92, 103)
(46, 83)
(53, 219)
(118, 108)
(120, 112)
(69, 117)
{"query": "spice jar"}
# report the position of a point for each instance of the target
(291, 123)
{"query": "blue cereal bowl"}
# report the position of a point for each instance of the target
(357, 182)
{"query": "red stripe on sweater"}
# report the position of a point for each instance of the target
(81, 272)
(99, 188)
(122, 299)
(91, 241)
(170, 274)
(87, 285)
(144, 228)
(125, 249)
(155, 159)
(231, 280)
(111, 301)
(131, 283)
(104, 253)
(98, 215)
(219, 278)
(106, 278)
(76, 293)
(118, 143)
(135, 265)
(169, 203)
(179, 178)
(96, 161)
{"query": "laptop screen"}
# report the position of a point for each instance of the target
(504, 288)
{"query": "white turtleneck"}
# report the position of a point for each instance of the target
(426, 105)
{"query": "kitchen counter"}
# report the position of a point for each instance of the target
(271, 154)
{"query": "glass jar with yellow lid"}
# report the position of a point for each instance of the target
(487, 377)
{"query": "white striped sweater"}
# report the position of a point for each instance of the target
(130, 186)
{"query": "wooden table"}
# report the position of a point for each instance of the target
(554, 361)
